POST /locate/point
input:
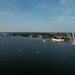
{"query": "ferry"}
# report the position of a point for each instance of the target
(60, 40)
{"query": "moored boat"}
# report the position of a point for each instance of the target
(60, 40)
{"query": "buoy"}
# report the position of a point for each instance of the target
(44, 40)
(20, 51)
(38, 52)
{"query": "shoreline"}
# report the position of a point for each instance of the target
(39, 35)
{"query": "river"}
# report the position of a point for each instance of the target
(18, 55)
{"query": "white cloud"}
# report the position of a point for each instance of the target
(9, 5)
(30, 20)
(8, 14)
(40, 20)
(34, 20)
(53, 20)
(67, 2)
(66, 14)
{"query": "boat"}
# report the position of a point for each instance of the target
(38, 52)
(60, 40)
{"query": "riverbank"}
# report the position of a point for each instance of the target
(37, 35)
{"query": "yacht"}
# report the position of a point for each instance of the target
(60, 40)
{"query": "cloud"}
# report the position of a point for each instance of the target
(8, 5)
(41, 21)
(66, 14)
(62, 19)
(30, 19)
(53, 20)
(67, 2)
(34, 20)
(37, 20)
(10, 15)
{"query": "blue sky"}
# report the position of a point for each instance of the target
(37, 15)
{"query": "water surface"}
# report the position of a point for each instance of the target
(19, 55)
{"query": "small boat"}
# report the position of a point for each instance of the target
(60, 40)
(38, 52)
(44, 40)
(20, 51)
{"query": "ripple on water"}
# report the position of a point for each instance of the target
(24, 45)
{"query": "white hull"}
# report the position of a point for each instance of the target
(57, 39)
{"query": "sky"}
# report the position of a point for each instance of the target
(37, 15)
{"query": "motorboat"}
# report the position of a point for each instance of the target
(60, 40)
